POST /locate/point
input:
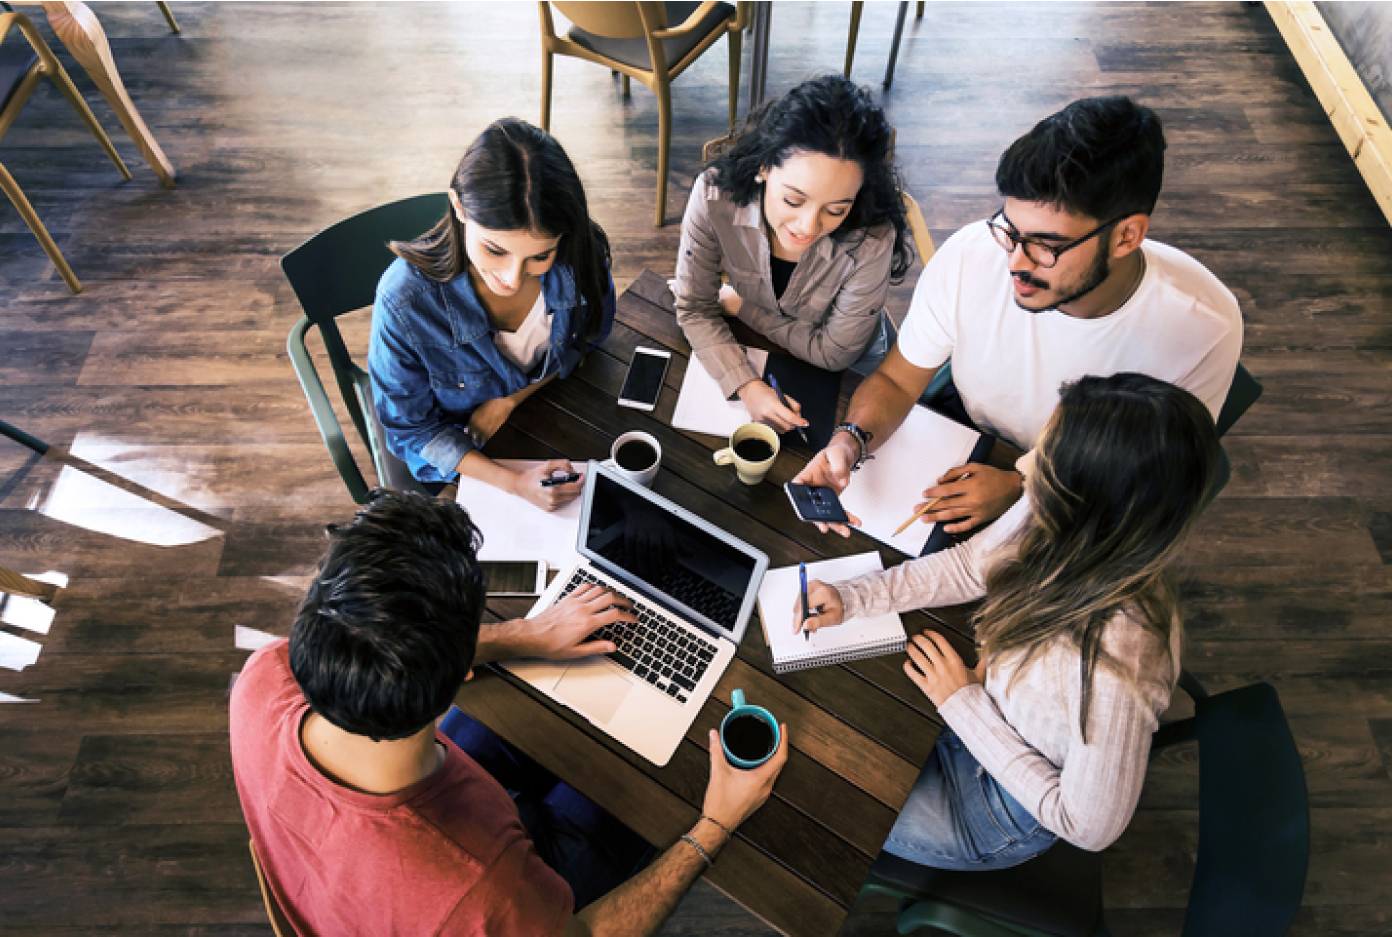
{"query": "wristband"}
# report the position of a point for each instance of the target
(862, 438)
(697, 846)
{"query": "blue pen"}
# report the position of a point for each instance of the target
(802, 576)
(773, 382)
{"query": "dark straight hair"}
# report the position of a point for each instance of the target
(833, 116)
(516, 177)
(1122, 472)
(389, 626)
(1101, 158)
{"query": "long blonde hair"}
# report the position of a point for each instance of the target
(1122, 472)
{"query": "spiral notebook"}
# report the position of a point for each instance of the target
(853, 640)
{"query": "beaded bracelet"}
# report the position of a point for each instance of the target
(723, 828)
(697, 846)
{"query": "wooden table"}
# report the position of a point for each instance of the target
(859, 731)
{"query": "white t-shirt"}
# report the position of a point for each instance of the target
(1181, 325)
(526, 347)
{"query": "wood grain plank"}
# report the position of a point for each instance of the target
(149, 779)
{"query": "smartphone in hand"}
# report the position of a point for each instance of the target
(816, 504)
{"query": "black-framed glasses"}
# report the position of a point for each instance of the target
(1039, 252)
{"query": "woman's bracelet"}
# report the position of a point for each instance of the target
(723, 828)
(697, 846)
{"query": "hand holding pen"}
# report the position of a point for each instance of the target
(801, 431)
(928, 506)
(825, 609)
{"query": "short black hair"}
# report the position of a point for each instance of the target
(388, 629)
(1101, 158)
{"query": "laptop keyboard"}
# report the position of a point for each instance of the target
(656, 649)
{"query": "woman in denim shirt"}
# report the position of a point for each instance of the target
(507, 292)
(804, 217)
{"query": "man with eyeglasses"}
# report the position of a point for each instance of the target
(1059, 283)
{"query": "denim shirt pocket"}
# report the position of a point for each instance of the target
(461, 389)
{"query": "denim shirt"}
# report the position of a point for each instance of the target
(433, 361)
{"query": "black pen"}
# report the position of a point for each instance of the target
(773, 382)
(555, 480)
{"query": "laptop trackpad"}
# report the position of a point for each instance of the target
(595, 687)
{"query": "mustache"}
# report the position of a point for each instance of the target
(1028, 280)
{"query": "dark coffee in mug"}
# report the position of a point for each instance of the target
(635, 456)
(753, 449)
(749, 737)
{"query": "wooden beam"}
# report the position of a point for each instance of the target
(1341, 92)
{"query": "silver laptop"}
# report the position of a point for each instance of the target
(693, 588)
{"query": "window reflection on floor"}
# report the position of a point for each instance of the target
(113, 488)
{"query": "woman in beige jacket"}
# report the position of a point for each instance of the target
(804, 217)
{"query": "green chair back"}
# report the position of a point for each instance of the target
(336, 272)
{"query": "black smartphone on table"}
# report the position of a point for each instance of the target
(643, 383)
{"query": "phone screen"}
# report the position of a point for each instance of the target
(511, 577)
(644, 381)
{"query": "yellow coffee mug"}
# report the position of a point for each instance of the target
(753, 447)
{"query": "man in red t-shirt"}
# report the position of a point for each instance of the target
(366, 818)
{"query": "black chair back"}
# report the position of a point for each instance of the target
(336, 272)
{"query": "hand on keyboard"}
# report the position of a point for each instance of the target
(560, 632)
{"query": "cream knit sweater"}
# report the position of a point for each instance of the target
(1027, 735)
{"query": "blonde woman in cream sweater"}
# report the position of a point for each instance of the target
(1079, 632)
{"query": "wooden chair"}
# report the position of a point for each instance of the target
(12, 583)
(857, 9)
(634, 40)
(279, 922)
(22, 65)
(923, 241)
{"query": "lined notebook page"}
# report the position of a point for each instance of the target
(852, 640)
(888, 488)
(514, 528)
(702, 408)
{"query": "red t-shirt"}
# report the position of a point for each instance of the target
(447, 855)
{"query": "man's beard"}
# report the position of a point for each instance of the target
(1094, 277)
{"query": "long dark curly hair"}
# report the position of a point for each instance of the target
(832, 116)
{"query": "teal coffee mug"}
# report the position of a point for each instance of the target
(749, 734)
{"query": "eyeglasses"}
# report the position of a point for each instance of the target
(1045, 255)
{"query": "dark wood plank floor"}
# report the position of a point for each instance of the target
(188, 511)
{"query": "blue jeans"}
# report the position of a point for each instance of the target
(581, 843)
(959, 817)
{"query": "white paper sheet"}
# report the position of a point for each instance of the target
(884, 493)
(702, 408)
(515, 529)
(862, 637)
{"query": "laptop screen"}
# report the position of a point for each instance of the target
(704, 576)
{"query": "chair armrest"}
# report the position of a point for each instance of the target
(322, 409)
(692, 21)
